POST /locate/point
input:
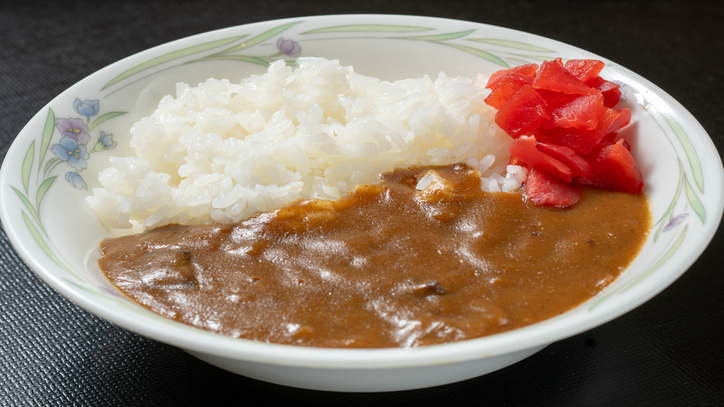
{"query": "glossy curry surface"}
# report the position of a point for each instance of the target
(387, 266)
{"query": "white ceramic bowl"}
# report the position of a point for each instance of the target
(46, 218)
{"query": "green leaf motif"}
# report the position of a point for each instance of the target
(171, 56)
(44, 246)
(28, 165)
(49, 164)
(670, 209)
(439, 37)
(244, 58)
(29, 207)
(695, 202)
(480, 53)
(261, 37)
(47, 136)
(42, 189)
(511, 44)
(103, 118)
(368, 28)
(688, 150)
(659, 262)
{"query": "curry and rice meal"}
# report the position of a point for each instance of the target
(320, 207)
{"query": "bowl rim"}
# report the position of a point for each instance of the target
(198, 340)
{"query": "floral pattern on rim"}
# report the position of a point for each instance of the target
(285, 47)
(502, 52)
(288, 47)
(86, 108)
(74, 129)
(676, 221)
(71, 150)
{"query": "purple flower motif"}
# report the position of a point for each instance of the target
(69, 150)
(675, 222)
(86, 108)
(75, 129)
(76, 180)
(289, 47)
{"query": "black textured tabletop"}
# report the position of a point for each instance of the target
(668, 352)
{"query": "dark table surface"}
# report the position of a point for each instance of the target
(670, 351)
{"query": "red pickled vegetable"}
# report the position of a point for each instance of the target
(624, 118)
(524, 150)
(523, 112)
(545, 190)
(506, 88)
(584, 69)
(527, 70)
(581, 141)
(578, 165)
(614, 167)
(550, 96)
(552, 75)
(610, 91)
(608, 139)
(563, 125)
(581, 112)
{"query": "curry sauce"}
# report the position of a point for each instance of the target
(386, 266)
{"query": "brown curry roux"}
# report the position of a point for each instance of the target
(386, 266)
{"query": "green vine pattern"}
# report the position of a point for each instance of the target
(289, 48)
(71, 150)
(668, 221)
(504, 53)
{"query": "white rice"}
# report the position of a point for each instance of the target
(222, 151)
